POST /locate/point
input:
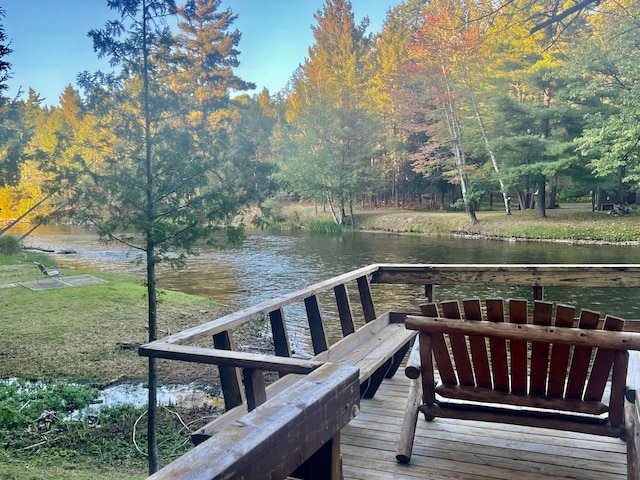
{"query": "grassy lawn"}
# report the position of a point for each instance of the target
(88, 335)
(569, 223)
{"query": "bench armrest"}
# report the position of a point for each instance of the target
(215, 356)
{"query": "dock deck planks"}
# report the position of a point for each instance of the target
(465, 450)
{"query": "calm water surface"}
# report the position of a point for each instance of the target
(271, 264)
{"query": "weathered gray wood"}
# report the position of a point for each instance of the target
(242, 316)
(632, 426)
(412, 368)
(254, 387)
(369, 349)
(319, 338)
(277, 437)
(280, 334)
(548, 275)
(578, 336)
(366, 299)
(229, 375)
(344, 309)
(213, 356)
(409, 422)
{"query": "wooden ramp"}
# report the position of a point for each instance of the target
(455, 450)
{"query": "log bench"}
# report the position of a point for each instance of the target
(376, 349)
(545, 370)
(297, 432)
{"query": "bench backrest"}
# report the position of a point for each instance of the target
(535, 371)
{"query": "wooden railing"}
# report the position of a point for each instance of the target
(224, 355)
(358, 326)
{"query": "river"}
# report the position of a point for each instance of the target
(270, 264)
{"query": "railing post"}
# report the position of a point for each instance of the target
(229, 376)
(366, 299)
(430, 292)
(254, 386)
(538, 292)
(344, 309)
(280, 335)
(316, 325)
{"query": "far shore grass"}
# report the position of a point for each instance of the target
(571, 223)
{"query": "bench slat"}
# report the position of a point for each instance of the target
(518, 315)
(498, 346)
(581, 357)
(560, 353)
(473, 311)
(603, 362)
(459, 346)
(440, 349)
(542, 312)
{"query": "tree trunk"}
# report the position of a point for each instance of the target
(152, 441)
(541, 200)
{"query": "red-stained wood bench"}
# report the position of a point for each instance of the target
(545, 370)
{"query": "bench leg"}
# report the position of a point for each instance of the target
(369, 388)
(397, 360)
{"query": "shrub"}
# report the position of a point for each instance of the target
(10, 245)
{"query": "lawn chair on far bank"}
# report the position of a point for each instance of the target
(49, 273)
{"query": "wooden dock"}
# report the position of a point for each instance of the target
(465, 450)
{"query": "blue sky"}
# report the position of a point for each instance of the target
(50, 43)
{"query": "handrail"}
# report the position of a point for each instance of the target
(537, 276)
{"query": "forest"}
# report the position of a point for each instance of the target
(452, 105)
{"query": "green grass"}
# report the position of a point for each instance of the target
(570, 224)
(77, 334)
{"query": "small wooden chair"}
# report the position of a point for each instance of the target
(548, 371)
(49, 273)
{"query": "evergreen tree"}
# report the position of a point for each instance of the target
(164, 173)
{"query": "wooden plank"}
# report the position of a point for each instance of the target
(477, 343)
(577, 336)
(560, 353)
(344, 309)
(451, 309)
(542, 313)
(279, 435)
(603, 363)
(230, 358)
(617, 399)
(439, 348)
(242, 316)
(280, 334)
(548, 275)
(581, 357)
(254, 387)
(498, 346)
(319, 338)
(366, 299)
(229, 375)
(518, 348)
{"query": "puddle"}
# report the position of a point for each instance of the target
(137, 395)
